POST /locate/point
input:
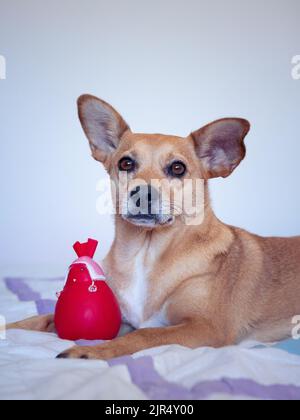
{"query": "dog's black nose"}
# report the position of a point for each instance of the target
(145, 198)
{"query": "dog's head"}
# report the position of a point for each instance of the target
(151, 171)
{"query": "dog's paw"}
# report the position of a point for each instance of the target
(88, 353)
(44, 323)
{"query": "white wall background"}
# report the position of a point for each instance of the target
(169, 66)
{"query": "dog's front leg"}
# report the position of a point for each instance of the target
(43, 323)
(190, 334)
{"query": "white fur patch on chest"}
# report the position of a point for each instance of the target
(133, 299)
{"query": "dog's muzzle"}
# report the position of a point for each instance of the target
(144, 208)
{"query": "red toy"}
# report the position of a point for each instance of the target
(87, 308)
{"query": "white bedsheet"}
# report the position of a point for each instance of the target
(29, 370)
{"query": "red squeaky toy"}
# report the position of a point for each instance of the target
(87, 308)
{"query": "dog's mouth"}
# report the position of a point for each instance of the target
(149, 220)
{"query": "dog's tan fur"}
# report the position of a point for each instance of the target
(217, 284)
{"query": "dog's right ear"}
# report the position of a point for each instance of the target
(102, 124)
(220, 146)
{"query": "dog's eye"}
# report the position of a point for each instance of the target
(127, 165)
(177, 169)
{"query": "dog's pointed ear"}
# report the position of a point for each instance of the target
(220, 146)
(102, 124)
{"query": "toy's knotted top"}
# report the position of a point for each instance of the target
(86, 249)
(85, 252)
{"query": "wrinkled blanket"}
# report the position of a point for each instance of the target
(29, 370)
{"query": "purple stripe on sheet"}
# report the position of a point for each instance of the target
(25, 294)
(45, 306)
(21, 290)
(145, 376)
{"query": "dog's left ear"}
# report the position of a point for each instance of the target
(102, 124)
(220, 146)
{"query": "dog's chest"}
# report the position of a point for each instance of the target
(134, 297)
(137, 299)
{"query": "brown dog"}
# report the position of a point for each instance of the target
(193, 284)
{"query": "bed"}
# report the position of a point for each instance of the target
(29, 370)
